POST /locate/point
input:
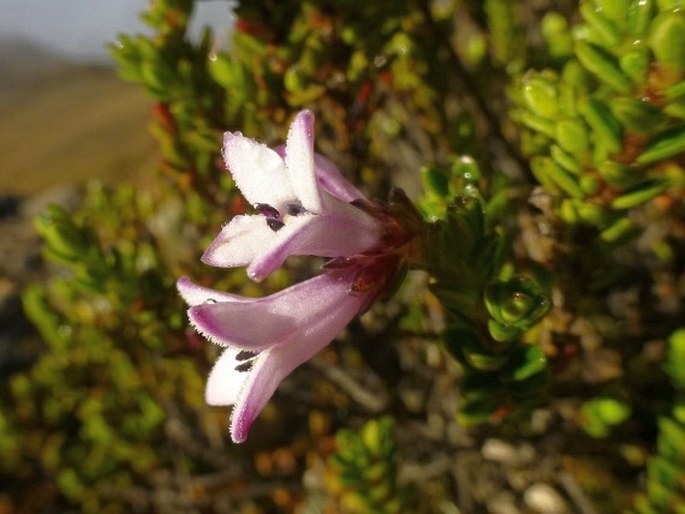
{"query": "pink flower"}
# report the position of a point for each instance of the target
(267, 338)
(304, 204)
(305, 207)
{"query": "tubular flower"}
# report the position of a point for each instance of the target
(266, 338)
(305, 206)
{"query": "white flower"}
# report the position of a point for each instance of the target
(303, 200)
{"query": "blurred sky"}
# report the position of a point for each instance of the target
(80, 29)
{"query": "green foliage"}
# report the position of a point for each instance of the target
(189, 112)
(666, 469)
(550, 291)
(363, 471)
(91, 405)
(490, 306)
(600, 414)
(602, 130)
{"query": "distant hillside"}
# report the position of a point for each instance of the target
(66, 123)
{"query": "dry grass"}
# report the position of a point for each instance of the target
(70, 124)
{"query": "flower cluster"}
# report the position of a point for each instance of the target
(303, 206)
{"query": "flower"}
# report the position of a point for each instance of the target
(305, 205)
(267, 338)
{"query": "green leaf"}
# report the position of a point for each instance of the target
(635, 64)
(607, 128)
(620, 175)
(676, 90)
(600, 414)
(614, 9)
(603, 26)
(435, 181)
(639, 17)
(566, 161)
(620, 231)
(540, 95)
(538, 123)
(572, 136)
(503, 333)
(526, 361)
(554, 174)
(669, 143)
(636, 115)
(667, 40)
(641, 194)
(675, 359)
(476, 411)
(603, 66)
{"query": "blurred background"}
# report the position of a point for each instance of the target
(66, 117)
(541, 371)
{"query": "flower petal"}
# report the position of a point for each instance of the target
(225, 382)
(259, 323)
(287, 242)
(239, 242)
(343, 230)
(299, 161)
(330, 179)
(258, 171)
(197, 295)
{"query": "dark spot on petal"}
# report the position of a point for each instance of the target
(245, 366)
(274, 224)
(266, 210)
(244, 355)
(210, 300)
(295, 209)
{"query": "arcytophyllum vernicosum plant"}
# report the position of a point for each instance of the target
(304, 207)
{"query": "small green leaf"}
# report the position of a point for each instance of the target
(669, 143)
(572, 136)
(526, 361)
(641, 194)
(676, 90)
(620, 231)
(540, 95)
(667, 39)
(603, 66)
(635, 64)
(600, 414)
(614, 9)
(603, 27)
(503, 333)
(478, 357)
(476, 411)
(620, 175)
(565, 160)
(607, 128)
(671, 437)
(592, 214)
(636, 115)
(557, 35)
(519, 301)
(676, 109)
(561, 178)
(639, 16)
(467, 169)
(675, 359)
(538, 123)
(435, 181)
